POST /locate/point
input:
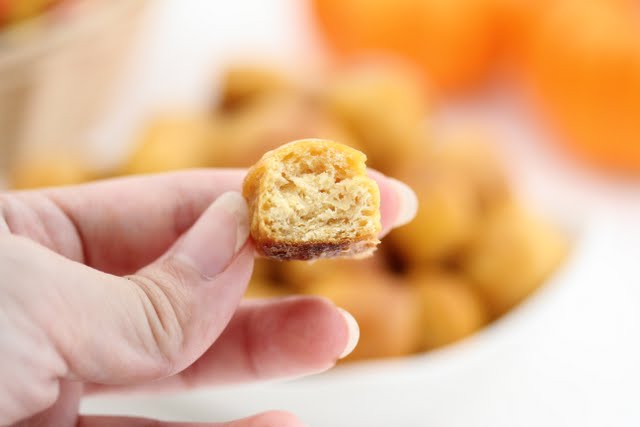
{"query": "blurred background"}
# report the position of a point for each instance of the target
(513, 297)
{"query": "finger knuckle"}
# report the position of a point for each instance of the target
(165, 309)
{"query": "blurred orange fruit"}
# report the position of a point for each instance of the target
(583, 62)
(453, 41)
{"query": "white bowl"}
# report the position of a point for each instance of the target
(487, 379)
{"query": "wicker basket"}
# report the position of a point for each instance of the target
(55, 73)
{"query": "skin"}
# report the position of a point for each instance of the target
(95, 296)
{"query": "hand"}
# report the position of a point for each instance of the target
(117, 284)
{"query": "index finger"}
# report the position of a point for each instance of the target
(120, 225)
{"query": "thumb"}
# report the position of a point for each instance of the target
(191, 292)
(115, 330)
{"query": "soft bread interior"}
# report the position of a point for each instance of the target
(318, 195)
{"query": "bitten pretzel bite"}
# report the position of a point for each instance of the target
(313, 199)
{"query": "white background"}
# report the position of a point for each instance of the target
(570, 357)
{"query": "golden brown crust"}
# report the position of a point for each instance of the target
(314, 250)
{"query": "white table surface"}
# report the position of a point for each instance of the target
(581, 365)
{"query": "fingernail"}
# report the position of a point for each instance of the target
(220, 232)
(354, 333)
(407, 200)
(236, 205)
